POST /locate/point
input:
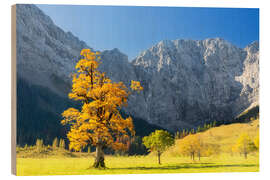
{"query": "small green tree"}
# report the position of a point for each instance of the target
(158, 142)
(214, 123)
(177, 135)
(183, 133)
(199, 129)
(205, 126)
(55, 143)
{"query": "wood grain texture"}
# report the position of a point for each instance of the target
(13, 90)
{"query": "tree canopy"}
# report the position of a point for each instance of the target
(191, 145)
(244, 145)
(158, 141)
(99, 121)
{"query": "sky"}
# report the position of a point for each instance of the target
(135, 29)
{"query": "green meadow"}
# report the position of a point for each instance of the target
(63, 162)
(137, 165)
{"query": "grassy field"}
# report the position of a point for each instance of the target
(225, 136)
(137, 165)
(72, 164)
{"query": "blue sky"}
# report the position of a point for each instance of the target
(134, 29)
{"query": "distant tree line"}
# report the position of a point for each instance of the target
(192, 145)
(185, 132)
(245, 117)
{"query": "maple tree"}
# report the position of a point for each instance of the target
(244, 145)
(191, 145)
(99, 121)
(194, 144)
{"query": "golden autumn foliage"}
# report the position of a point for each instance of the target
(256, 142)
(193, 145)
(190, 145)
(99, 120)
(136, 85)
(244, 145)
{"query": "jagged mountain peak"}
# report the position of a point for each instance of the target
(185, 78)
(31, 10)
(46, 55)
(187, 43)
(178, 43)
(186, 82)
(216, 40)
(190, 53)
(116, 54)
(253, 47)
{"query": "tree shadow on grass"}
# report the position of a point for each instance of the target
(186, 166)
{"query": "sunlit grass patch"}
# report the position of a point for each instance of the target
(137, 165)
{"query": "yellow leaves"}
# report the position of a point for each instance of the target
(87, 53)
(136, 86)
(129, 125)
(87, 65)
(190, 144)
(84, 52)
(70, 115)
(244, 144)
(122, 143)
(99, 118)
(78, 139)
(243, 139)
(193, 144)
(256, 141)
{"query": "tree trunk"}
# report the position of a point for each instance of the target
(159, 158)
(99, 161)
(245, 155)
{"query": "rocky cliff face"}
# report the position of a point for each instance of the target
(249, 79)
(186, 82)
(46, 55)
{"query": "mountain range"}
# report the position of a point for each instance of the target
(186, 83)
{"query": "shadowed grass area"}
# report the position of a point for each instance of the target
(137, 165)
(185, 165)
